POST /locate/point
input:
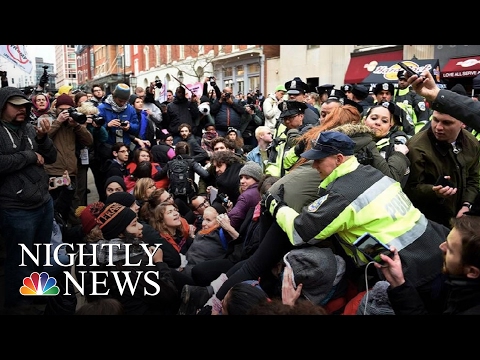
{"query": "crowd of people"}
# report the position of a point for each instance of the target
(243, 204)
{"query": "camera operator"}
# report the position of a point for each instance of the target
(216, 94)
(227, 112)
(251, 119)
(152, 106)
(65, 132)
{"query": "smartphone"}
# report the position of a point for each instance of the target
(371, 247)
(408, 69)
(55, 182)
(444, 182)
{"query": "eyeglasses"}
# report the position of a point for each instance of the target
(204, 204)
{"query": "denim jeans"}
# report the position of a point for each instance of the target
(29, 227)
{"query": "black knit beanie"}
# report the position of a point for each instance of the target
(114, 219)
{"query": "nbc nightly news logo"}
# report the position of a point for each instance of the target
(42, 284)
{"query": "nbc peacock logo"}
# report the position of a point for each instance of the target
(39, 284)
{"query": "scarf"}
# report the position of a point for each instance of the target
(118, 253)
(180, 239)
(118, 109)
(38, 112)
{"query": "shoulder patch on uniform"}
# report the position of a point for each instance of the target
(421, 106)
(317, 203)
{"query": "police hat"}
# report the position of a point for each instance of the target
(401, 74)
(383, 86)
(360, 91)
(291, 107)
(393, 108)
(354, 104)
(329, 143)
(296, 86)
(324, 88)
(336, 94)
(346, 87)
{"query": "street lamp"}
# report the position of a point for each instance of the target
(121, 62)
(133, 82)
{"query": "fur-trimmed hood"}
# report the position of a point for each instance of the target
(360, 134)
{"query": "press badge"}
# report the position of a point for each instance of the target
(84, 156)
(317, 203)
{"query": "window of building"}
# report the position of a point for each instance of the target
(227, 71)
(239, 70)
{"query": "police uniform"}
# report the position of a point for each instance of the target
(355, 199)
(285, 140)
(412, 103)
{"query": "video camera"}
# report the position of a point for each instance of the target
(158, 84)
(212, 80)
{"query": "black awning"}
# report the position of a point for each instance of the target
(386, 71)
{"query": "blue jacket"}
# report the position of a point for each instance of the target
(129, 114)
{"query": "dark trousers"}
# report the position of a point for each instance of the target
(29, 227)
(274, 246)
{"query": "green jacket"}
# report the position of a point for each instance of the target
(430, 159)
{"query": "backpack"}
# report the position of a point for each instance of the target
(178, 170)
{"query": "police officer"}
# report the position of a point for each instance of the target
(292, 116)
(384, 92)
(411, 102)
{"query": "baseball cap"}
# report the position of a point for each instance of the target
(18, 100)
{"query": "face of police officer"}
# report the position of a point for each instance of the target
(402, 83)
(383, 95)
(326, 165)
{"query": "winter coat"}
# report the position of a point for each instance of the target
(23, 184)
(247, 200)
(182, 111)
(431, 159)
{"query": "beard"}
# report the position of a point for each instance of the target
(134, 240)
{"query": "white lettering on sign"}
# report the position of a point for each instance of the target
(454, 74)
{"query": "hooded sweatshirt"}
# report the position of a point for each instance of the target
(23, 183)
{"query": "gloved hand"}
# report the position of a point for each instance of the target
(274, 202)
(299, 148)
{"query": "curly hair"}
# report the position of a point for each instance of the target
(225, 157)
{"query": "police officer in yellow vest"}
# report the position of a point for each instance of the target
(354, 199)
(291, 119)
(411, 102)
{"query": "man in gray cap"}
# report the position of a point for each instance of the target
(26, 207)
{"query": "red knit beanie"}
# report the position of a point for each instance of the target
(89, 216)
